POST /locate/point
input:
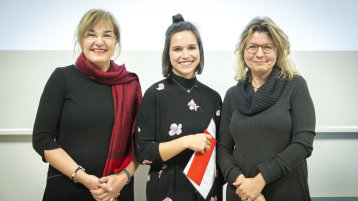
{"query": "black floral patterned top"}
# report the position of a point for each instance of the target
(168, 112)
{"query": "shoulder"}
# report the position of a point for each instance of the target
(296, 83)
(64, 71)
(230, 91)
(210, 91)
(60, 72)
(297, 79)
(157, 88)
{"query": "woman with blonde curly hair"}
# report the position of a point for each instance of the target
(268, 120)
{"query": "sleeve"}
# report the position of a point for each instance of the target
(218, 112)
(147, 145)
(226, 144)
(303, 132)
(48, 114)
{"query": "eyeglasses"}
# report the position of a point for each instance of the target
(252, 48)
(108, 37)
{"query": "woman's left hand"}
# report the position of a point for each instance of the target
(250, 188)
(111, 187)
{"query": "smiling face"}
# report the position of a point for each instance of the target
(260, 62)
(98, 46)
(184, 54)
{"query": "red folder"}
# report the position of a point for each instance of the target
(200, 162)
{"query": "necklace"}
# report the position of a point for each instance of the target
(255, 86)
(187, 90)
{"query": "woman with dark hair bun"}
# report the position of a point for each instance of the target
(173, 116)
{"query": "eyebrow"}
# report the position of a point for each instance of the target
(262, 44)
(107, 31)
(188, 45)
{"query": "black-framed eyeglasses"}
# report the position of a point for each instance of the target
(267, 49)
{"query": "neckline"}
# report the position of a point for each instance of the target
(186, 83)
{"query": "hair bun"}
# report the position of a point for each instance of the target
(178, 18)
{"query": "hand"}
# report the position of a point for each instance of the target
(250, 188)
(260, 198)
(198, 142)
(239, 180)
(110, 187)
(91, 182)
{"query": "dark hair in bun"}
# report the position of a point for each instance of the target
(178, 18)
(179, 25)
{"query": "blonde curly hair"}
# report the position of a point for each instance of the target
(280, 40)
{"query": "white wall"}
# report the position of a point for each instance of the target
(332, 167)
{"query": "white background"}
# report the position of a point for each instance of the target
(50, 25)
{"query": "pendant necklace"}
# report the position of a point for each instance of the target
(187, 90)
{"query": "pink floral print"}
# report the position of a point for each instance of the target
(167, 199)
(164, 166)
(218, 113)
(160, 86)
(146, 162)
(192, 105)
(213, 198)
(175, 129)
(161, 171)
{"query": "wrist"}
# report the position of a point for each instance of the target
(127, 175)
(75, 175)
(183, 142)
(260, 180)
(81, 177)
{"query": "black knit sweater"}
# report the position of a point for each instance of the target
(275, 142)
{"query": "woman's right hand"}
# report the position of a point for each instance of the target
(198, 142)
(90, 181)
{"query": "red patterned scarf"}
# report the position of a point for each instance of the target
(127, 96)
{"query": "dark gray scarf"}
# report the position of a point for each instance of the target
(251, 103)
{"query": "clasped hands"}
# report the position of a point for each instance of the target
(106, 188)
(249, 189)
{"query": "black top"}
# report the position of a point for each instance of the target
(168, 112)
(77, 114)
(275, 142)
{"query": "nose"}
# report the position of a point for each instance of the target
(185, 53)
(260, 52)
(99, 40)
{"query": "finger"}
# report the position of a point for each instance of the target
(202, 151)
(106, 187)
(104, 179)
(97, 199)
(208, 137)
(97, 192)
(237, 183)
(108, 198)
